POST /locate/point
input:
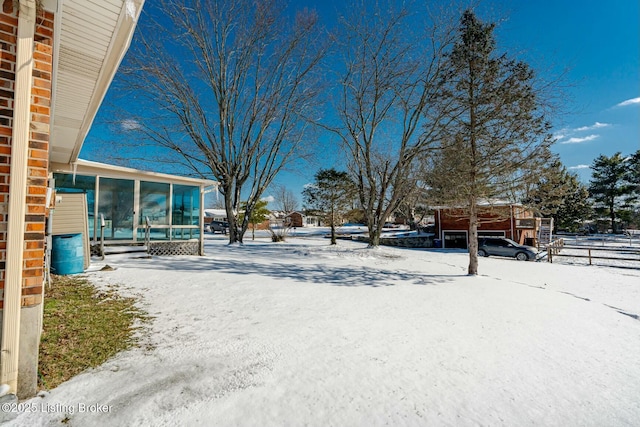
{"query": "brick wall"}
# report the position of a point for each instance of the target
(33, 268)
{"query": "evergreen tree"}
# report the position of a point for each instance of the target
(496, 125)
(331, 195)
(549, 189)
(633, 177)
(633, 174)
(258, 215)
(557, 193)
(575, 206)
(610, 188)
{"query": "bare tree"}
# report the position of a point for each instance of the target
(231, 83)
(284, 199)
(388, 83)
(497, 128)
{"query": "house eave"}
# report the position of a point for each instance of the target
(87, 167)
(92, 39)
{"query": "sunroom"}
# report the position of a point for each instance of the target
(128, 207)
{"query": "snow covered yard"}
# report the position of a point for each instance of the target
(300, 333)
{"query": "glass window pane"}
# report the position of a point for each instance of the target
(154, 203)
(116, 204)
(186, 205)
(155, 234)
(185, 233)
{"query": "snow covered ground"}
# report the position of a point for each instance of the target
(301, 333)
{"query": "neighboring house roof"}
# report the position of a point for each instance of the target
(92, 37)
(215, 213)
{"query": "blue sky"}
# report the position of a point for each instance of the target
(594, 45)
(598, 43)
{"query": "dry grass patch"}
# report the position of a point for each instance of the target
(83, 327)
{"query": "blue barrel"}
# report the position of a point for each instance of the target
(67, 254)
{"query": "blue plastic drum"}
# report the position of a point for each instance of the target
(67, 254)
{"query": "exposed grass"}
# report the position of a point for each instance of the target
(83, 327)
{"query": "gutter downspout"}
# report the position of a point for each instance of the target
(17, 195)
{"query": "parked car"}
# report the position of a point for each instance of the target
(501, 246)
(219, 227)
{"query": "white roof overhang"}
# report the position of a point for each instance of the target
(91, 168)
(91, 38)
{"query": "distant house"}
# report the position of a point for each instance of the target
(283, 219)
(294, 219)
(496, 218)
(215, 215)
(313, 221)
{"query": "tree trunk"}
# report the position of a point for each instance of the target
(374, 232)
(473, 238)
(612, 215)
(231, 219)
(333, 227)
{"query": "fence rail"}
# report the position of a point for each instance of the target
(554, 248)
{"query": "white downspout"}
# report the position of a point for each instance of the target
(17, 196)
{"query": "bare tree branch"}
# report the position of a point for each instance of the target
(231, 83)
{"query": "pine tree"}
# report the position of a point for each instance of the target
(610, 188)
(258, 215)
(557, 193)
(331, 195)
(497, 125)
(575, 207)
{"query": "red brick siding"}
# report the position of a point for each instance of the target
(38, 161)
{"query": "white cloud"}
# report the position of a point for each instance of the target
(562, 133)
(631, 101)
(578, 140)
(579, 167)
(566, 133)
(596, 125)
(130, 124)
(268, 199)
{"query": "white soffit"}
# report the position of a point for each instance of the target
(92, 37)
